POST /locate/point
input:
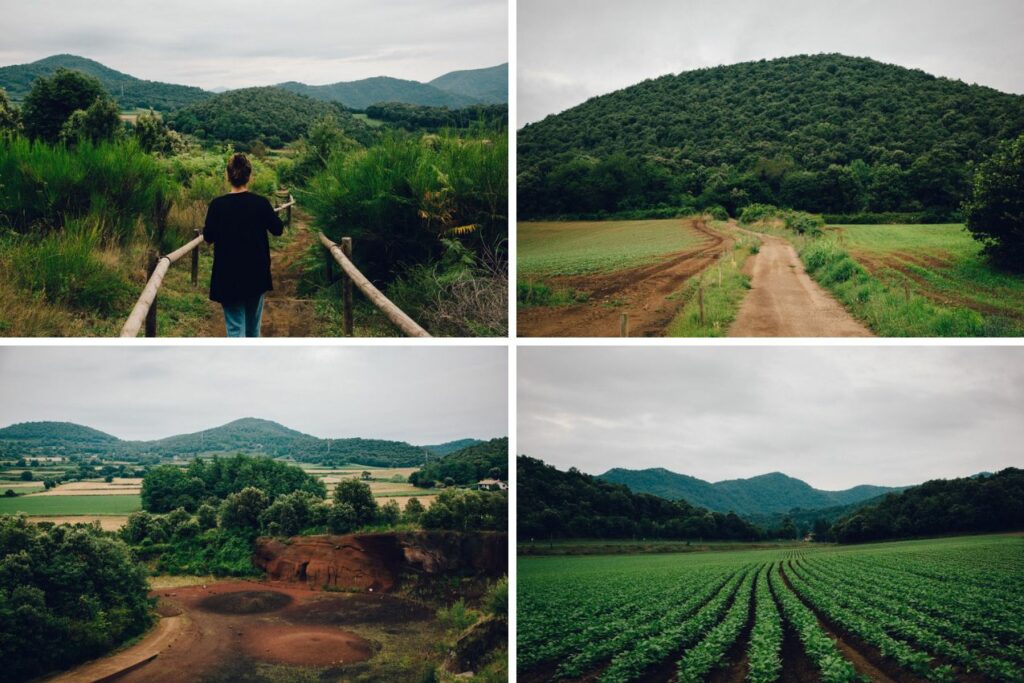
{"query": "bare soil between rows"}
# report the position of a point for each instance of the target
(642, 293)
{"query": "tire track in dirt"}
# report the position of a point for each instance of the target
(640, 292)
(785, 302)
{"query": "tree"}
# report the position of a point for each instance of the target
(26, 475)
(10, 117)
(9, 493)
(206, 515)
(494, 473)
(54, 99)
(448, 482)
(291, 513)
(108, 479)
(995, 209)
(389, 513)
(242, 510)
(342, 518)
(99, 122)
(413, 511)
(358, 495)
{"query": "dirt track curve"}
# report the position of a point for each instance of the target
(641, 292)
(785, 302)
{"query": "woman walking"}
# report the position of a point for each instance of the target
(237, 225)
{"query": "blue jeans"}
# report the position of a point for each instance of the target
(242, 318)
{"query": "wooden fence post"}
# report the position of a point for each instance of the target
(195, 262)
(624, 325)
(151, 315)
(700, 301)
(346, 248)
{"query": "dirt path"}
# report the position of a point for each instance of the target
(785, 302)
(285, 314)
(640, 292)
(163, 636)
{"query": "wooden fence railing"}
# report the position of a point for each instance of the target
(145, 308)
(342, 254)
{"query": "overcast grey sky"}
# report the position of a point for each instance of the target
(571, 50)
(235, 43)
(420, 395)
(832, 416)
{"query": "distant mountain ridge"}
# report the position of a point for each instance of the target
(454, 90)
(762, 495)
(246, 435)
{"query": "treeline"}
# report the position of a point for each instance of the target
(968, 505)
(556, 504)
(67, 594)
(466, 466)
(268, 115)
(419, 117)
(825, 133)
(215, 511)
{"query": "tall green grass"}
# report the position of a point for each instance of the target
(44, 187)
(398, 198)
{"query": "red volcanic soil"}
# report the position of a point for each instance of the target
(307, 646)
(227, 627)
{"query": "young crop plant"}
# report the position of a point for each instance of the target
(819, 647)
(710, 653)
(763, 654)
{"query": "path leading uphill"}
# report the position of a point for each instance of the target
(785, 302)
(285, 314)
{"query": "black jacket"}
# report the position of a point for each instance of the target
(237, 226)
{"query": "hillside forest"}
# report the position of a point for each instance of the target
(829, 134)
(90, 189)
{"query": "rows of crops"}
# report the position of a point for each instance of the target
(938, 610)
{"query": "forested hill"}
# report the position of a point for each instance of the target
(361, 94)
(488, 85)
(272, 115)
(247, 435)
(128, 91)
(480, 460)
(823, 133)
(942, 506)
(761, 495)
(556, 504)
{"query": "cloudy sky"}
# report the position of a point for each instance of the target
(231, 43)
(832, 416)
(420, 395)
(571, 50)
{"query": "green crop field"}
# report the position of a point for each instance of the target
(937, 610)
(71, 505)
(549, 249)
(924, 280)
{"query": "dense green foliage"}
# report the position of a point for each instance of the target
(631, 618)
(53, 100)
(489, 84)
(128, 91)
(67, 594)
(976, 504)
(824, 133)
(467, 466)
(995, 209)
(449, 447)
(556, 504)
(167, 487)
(363, 93)
(271, 115)
(418, 117)
(764, 494)
(114, 185)
(464, 510)
(10, 116)
(57, 436)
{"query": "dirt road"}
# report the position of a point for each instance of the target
(641, 292)
(285, 314)
(785, 302)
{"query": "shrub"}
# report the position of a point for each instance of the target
(804, 223)
(717, 212)
(496, 600)
(752, 213)
(359, 497)
(458, 617)
(53, 99)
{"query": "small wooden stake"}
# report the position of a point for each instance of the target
(151, 315)
(906, 290)
(195, 262)
(346, 249)
(700, 301)
(624, 325)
